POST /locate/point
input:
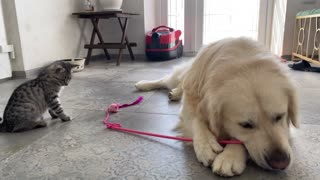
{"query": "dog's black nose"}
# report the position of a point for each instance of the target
(278, 160)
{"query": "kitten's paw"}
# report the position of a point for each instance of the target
(40, 124)
(53, 114)
(66, 118)
(54, 117)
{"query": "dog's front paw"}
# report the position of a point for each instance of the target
(229, 164)
(206, 151)
(143, 85)
(174, 95)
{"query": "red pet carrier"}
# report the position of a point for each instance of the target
(162, 43)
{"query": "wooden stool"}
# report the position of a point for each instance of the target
(123, 19)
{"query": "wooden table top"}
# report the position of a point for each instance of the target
(103, 14)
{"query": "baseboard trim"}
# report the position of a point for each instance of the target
(34, 72)
(18, 74)
(5, 79)
(115, 56)
(190, 54)
(26, 74)
(286, 57)
(137, 56)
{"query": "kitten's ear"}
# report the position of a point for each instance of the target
(59, 69)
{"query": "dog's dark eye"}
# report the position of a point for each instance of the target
(247, 125)
(278, 117)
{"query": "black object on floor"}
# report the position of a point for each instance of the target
(303, 66)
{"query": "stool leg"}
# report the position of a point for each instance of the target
(93, 35)
(127, 41)
(96, 27)
(124, 33)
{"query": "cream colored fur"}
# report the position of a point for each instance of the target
(232, 82)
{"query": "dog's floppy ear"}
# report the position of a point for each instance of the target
(195, 79)
(293, 107)
(211, 109)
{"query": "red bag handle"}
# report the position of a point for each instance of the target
(170, 29)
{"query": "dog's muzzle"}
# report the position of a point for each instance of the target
(278, 160)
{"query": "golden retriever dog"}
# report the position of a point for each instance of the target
(234, 89)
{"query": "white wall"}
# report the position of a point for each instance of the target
(151, 11)
(136, 28)
(294, 6)
(49, 32)
(43, 31)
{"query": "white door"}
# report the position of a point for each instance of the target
(206, 21)
(5, 65)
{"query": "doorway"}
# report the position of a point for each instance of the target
(5, 65)
(206, 21)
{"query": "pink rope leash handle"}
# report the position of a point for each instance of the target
(114, 108)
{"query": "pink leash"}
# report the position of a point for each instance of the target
(114, 108)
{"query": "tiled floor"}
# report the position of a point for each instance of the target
(84, 149)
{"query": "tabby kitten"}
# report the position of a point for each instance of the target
(31, 99)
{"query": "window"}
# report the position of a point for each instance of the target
(230, 18)
(210, 20)
(176, 15)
